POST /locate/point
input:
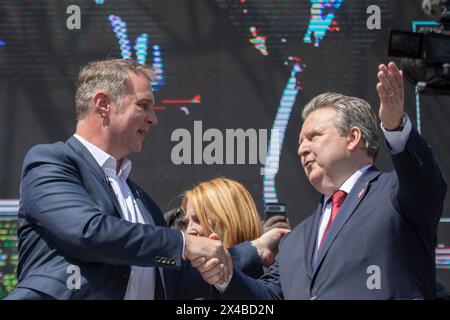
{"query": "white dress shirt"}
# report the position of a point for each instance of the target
(141, 285)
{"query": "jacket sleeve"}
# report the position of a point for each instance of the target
(419, 192)
(243, 287)
(245, 259)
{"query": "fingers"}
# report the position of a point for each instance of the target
(215, 274)
(276, 222)
(387, 89)
(209, 257)
(390, 92)
(381, 92)
(208, 266)
(211, 270)
(198, 262)
(277, 233)
(283, 232)
(215, 278)
(288, 224)
(396, 74)
(391, 80)
(275, 219)
(279, 225)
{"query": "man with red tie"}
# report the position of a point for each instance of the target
(373, 235)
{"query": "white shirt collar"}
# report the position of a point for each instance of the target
(107, 162)
(350, 182)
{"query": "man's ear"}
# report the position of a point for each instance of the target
(102, 104)
(354, 137)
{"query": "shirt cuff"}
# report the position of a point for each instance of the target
(397, 139)
(222, 287)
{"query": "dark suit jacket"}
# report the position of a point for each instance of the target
(69, 215)
(380, 246)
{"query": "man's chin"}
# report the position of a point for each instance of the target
(315, 181)
(137, 148)
(311, 176)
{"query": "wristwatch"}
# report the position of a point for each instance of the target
(401, 126)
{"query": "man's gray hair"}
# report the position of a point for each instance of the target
(109, 76)
(350, 112)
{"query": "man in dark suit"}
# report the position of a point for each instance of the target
(86, 231)
(373, 235)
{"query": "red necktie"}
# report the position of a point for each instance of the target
(336, 201)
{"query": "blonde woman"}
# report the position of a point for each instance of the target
(224, 209)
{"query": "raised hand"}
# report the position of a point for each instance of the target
(276, 222)
(391, 94)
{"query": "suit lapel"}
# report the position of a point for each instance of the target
(95, 169)
(310, 234)
(349, 206)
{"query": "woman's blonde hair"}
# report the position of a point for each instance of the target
(225, 207)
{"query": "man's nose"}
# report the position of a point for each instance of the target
(152, 119)
(192, 232)
(303, 149)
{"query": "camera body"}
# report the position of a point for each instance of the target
(426, 54)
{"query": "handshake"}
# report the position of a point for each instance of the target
(209, 257)
(214, 262)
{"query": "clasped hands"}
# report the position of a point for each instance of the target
(214, 262)
(209, 257)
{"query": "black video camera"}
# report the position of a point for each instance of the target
(426, 54)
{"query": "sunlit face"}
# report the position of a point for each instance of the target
(193, 223)
(323, 151)
(133, 116)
